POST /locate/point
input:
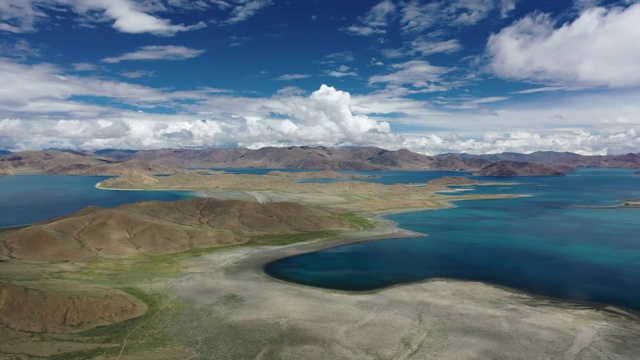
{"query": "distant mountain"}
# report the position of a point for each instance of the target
(73, 163)
(293, 157)
(560, 158)
(305, 157)
(515, 168)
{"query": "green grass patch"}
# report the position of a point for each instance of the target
(359, 222)
(287, 239)
(147, 332)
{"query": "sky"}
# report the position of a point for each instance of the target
(463, 76)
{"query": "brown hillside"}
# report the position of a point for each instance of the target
(62, 307)
(160, 227)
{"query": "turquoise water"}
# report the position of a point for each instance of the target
(545, 244)
(31, 198)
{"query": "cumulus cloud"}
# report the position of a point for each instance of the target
(323, 118)
(166, 52)
(599, 48)
(580, 142)
(41, 106)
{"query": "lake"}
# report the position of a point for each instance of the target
(27, 199)
(550, 243)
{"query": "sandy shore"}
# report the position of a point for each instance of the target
(232, 309)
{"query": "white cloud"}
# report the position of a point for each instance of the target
(41, 106)
(507, 7)
(417, 16)
(19, 16)
(127, 16)
(339, 57)
(540, 89)
(167, 52)
(426, 48)
(342, 71)
(375, 21)
(526, 142)
(137, 74)
(129, 19)
(290, 91)
(324, 118)
(246, 9)
(339, 74)
(288, 77)
(599, 48)
(84, 67)
(18, 49)
(417, 73)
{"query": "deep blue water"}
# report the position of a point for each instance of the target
(544, 244)
(27, 199)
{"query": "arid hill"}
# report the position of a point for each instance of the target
(61, 307)
(514, 168)
(74, 163)
(160, 227)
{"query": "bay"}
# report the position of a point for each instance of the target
(549, 243)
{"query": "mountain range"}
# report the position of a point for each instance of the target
(118, 162)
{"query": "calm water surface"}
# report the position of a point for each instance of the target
(27, 199)
(544, 244)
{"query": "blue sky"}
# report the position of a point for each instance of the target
(477, 76)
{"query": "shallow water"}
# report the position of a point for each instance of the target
(27, 199)
(543, 244)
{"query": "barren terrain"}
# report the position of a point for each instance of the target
(155, 281)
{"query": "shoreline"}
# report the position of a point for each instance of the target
(256, 262)
(385, 229)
